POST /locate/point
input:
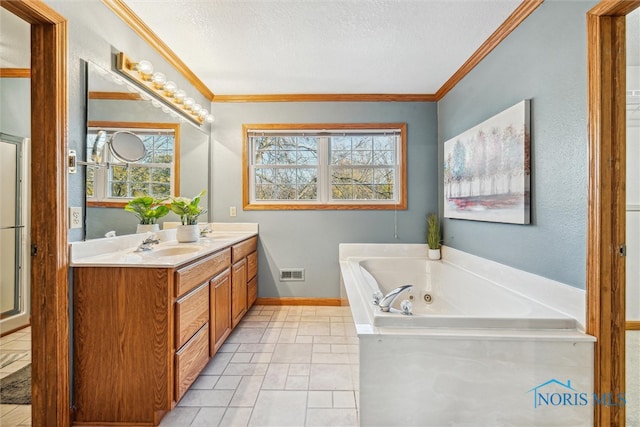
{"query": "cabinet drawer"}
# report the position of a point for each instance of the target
(197, 273)
(244, 248)
(192, 311)
(190, 360)
(252, 291)
(252, 264)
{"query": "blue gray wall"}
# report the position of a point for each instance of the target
(15, 106)
(544, 59)
(309, 239)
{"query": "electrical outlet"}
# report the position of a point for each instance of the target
(75, 217)
(232, 211)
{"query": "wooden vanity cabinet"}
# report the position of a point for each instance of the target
(141, 336)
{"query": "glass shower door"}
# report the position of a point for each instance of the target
(11, 225)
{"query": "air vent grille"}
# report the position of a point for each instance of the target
(292, 274)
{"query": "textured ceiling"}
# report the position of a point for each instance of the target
(315, 46)
(323, 46)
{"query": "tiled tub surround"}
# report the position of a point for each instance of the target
(480, 372)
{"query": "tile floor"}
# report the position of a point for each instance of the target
(17, 345)
(282, 366)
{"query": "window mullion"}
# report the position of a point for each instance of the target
(323, 170)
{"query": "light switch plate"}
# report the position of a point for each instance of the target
(232, 211)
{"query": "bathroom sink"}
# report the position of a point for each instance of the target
(173, 251)
(222, 236)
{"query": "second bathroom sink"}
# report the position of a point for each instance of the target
(173, 251)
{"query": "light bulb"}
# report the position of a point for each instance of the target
(196, 108)
(210, 118)
(170, 88)
(203, 113)
(179, 96)
(188, 103)
(158, 79)
(145, 68)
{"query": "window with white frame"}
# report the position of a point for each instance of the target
(154, 175)
(337, 166)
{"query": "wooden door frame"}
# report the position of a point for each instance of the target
(606, 71)
(49, 263)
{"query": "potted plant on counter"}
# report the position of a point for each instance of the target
(148, 210)
(188, 210)
(434, 236)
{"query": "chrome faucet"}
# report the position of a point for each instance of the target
(387, 300)
(147, 244)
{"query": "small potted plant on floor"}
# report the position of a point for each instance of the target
(188, 210)
(434, 237)
(148, 210)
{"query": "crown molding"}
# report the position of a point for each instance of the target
(517, 16)
(142, 29)
(329, 97)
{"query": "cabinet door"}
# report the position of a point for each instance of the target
(238, 291)
(252, 291)
(252, 265)
(220, 310)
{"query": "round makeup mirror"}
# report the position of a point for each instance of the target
(127, 146)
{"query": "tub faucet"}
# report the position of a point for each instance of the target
(387, 300)
(147, 244)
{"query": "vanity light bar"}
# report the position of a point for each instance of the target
(142, 73)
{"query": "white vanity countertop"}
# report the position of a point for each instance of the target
(120, 251)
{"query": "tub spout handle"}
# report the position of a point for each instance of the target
(406, 307)
(387, 300)
(377, 296)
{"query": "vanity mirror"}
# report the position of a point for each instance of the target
(139, 146)
(125, 146)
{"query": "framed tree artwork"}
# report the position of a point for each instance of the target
(487, 169)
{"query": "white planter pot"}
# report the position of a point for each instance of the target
(148, 228)
(188, 233)
(434, 253)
